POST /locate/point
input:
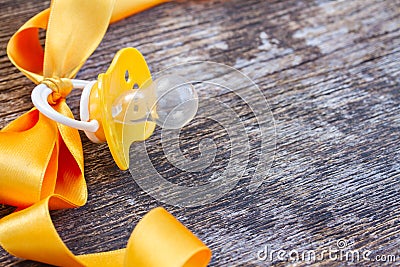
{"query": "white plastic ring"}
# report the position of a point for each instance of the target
(84, 110)
(39, 98)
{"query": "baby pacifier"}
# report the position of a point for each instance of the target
(124, 105)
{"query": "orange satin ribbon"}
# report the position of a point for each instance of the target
(41, 161)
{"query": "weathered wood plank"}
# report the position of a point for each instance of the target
(330, 71)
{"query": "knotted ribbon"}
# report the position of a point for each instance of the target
(41, 161)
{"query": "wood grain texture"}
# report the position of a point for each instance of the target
(330, 71)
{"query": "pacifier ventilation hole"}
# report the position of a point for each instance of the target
(127, 76)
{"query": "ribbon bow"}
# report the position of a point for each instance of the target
(41, 161)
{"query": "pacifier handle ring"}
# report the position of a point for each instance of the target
(39, 99)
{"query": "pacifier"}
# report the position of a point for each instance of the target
(124, 105)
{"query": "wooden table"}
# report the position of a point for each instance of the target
(330, 72)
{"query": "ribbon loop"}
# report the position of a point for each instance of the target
(61, 88)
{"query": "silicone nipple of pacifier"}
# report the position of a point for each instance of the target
(168, 101)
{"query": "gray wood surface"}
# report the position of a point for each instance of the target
(330, 72)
